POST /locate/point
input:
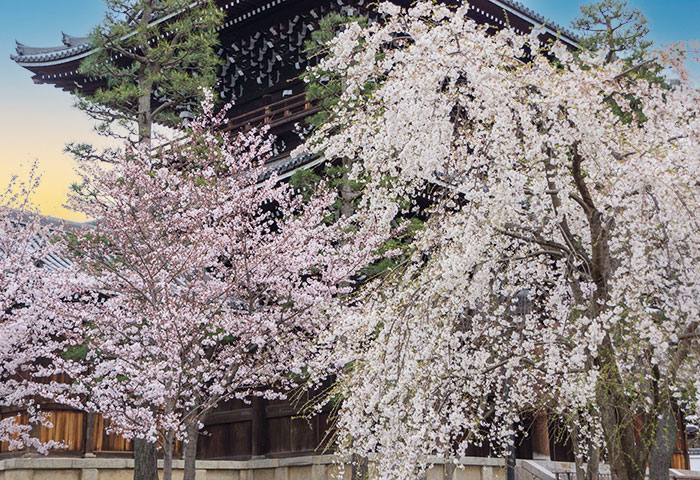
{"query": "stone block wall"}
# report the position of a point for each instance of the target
(317, 467)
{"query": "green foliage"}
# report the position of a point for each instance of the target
(613, 26)
(619, 31)
(154, 56)
(86, 152)
(334, 176)
(306, 182)
(401, 245)
(324, 88)
(76, 352)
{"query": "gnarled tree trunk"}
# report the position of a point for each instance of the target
(664, 444)
(145, 460)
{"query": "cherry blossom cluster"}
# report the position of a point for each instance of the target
(560, 269)
(204, 278)
(32, 339)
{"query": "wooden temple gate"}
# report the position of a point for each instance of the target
(82, 433)
(235, 430)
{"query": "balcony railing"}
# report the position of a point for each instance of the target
(275, 114)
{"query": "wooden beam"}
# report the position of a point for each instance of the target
(540, 437)
(258, 432)
(89, 434)
(233, 416)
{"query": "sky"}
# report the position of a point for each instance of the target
(37, 121)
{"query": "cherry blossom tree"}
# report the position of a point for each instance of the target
(203, 279)
(560, 265)
(32, 340)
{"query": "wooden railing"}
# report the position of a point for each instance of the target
(288, 110)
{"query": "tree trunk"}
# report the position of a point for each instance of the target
(360, 467)
(626, 455)
(168, 456)
(578, 454)
(145, 460)
(145, 83)
(593, 465)
(144, 120)
(191, 450)
(591, 469)
(347, 193)
(664, 444)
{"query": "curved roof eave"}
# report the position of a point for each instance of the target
(35, 62)
(535, 18)
(78, 48)
(52, 56)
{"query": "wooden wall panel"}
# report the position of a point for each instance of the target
(681, 459)
(303, 434)
(326, 433)
(278, 434)
(227, 440)
(109, 442)
(5, 446)
(67, 427)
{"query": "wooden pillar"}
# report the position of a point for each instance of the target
(259, 447)
(89, 434)
(681, 455)
(34, 432)
(540, 437)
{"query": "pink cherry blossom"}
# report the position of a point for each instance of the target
(32, 339)
(203, 278)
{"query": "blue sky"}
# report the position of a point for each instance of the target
(670, 21)
(38, 120)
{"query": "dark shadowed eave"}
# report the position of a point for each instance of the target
(75, 48)
(537, 19)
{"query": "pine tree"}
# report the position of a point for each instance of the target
(153, 57)
(613, 26)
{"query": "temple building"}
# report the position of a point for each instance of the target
(262, 49)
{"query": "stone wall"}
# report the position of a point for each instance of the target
(318, 467)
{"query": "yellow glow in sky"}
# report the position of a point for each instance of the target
(37, 124)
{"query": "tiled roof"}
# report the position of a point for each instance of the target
(539, 19)
(51, 261)
(72, 46)
(72, 41)
(289, 164)
(77, 45)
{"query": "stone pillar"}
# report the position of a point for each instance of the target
(89, 474)
(282, 473)
(360, 467)
(318, 472)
